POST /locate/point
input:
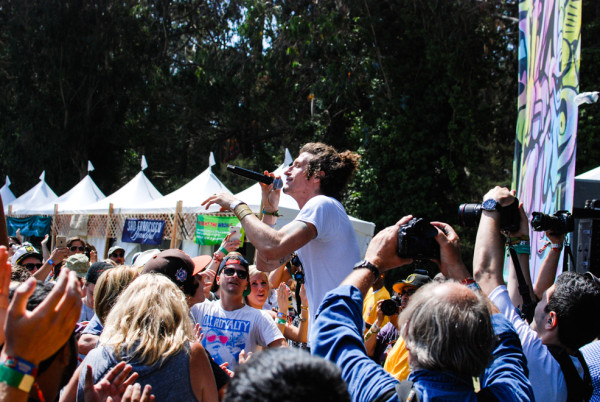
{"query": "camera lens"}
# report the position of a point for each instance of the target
(469, 215)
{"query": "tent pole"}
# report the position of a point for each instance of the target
(111, 210)
(55, 221)
(178, 209)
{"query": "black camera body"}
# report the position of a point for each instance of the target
(416, 240)
(510, 217)
(390, 306)
(560, 223)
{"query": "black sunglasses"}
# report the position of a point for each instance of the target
(118, 254)
(31, 266)
(232, 271)
(76, 248)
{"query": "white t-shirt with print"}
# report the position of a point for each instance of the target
(227, 333)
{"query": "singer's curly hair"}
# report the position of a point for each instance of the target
(337, 166)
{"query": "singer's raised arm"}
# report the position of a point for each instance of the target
(274, 247)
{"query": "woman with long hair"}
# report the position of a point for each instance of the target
(150, 328)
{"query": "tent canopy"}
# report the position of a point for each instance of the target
(590, 175)
(7, 195)
(82, 194)
(138, 190)
(39, 195)
(192, 194)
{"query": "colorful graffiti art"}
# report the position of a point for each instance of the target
(544, 164)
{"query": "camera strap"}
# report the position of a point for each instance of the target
(528, 307)
(570, 254)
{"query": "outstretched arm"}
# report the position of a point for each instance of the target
(549, 266)
(274, 247)
(488, 259)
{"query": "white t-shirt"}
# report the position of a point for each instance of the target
(227, 333)
(328, 258)
(545, 374)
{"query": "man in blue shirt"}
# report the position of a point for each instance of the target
(448, 331)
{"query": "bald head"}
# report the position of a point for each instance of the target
(448, 327)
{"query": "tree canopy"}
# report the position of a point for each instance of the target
(425, 91)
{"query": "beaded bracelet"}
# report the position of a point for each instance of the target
(275, 213)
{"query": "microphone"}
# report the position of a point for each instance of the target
(250, 174)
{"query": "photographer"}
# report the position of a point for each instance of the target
(564, 320)
(435, 325)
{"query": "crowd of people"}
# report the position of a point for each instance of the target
(307, 320)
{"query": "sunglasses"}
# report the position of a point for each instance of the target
(212, 338)
(31, 267)
(77, 248)
(119, 255)
(408, 292)
(232, 271)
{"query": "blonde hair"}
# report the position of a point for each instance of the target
(150, 320)
(252, 271)
(108, 287)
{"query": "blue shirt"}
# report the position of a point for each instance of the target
(337, 336)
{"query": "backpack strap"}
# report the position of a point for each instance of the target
(578, 389)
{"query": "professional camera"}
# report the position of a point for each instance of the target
(416, 240)
(510, 218)
(390, 306)
(560, 223)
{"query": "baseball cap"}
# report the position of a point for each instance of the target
(231, 260)
(176, 265)
(200, 262)
(113, 249)
(413, 280)
(24, 252)
(79, 263)
(96, 269)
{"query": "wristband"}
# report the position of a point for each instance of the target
(368, 335)
(375, 328)
(521, 249)
(223, 250)
(21, 365)
(281, 321)
(471, 284)
(275, 214)
(556, 247)
(15, 379)
(51, 262)
(217, 257)
(281, 315)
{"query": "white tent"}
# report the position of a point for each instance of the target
(81, 195)
(590, 175)
(191, 195)
(137, 191)
(7, 195)
(39, 195)
(288, 208)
